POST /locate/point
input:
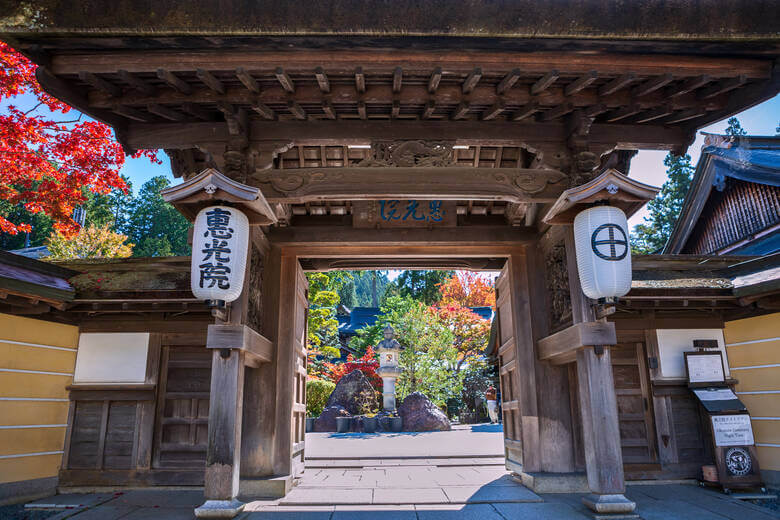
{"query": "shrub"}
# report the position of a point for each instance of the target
(317, 393)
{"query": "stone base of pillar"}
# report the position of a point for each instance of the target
(610, 506)
(540, 482)
(265, 488)
(219, 509)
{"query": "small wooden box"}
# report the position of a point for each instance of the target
(709, 473)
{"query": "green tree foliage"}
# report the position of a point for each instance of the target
(735, 128)
(323, 298)
(391, 310)
(90, 242)
(665, 208)
(153, 225)
(422, 286)
(428, 358)
(317, 393)
(40, 223)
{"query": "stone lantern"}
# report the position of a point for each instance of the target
(389, 352)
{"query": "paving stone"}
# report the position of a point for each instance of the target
(540, 511)
(161, 513)
(70, 500)
(159, 498)
(493, 494)
(288, 513)
(377, 507)
(409, 496)
(327, 496)
(458, 512)
(397, 513)
(105, 512)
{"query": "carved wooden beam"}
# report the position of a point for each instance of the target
(257, 348)
(300, 185)
(345, 132)
(562, 347)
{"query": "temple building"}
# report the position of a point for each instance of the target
(414, 134)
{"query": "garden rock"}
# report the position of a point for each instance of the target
(421, 415)
(326, 422)
(355, 393)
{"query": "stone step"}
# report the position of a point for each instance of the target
(399, 496)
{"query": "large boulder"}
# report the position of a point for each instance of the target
(421, 415)
(326, 422)
(355, 393)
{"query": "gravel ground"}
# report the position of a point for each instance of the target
(17, 512)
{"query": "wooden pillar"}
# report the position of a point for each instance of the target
(259, 415)
(223, 459)
(522, 317)
(556, 441)
(271, 455)
(598, 407)
(223, 455)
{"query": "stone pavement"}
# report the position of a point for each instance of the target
(390, 478)
(656, 502)
(478, 440)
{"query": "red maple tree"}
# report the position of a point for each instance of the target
(45, 161)
(468, 289)
(367, 363)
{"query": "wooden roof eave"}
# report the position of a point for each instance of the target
(612, 186)
(695, 199)
(211, 187)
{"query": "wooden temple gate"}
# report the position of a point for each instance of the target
(491, 130)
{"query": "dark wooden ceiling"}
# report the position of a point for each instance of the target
(176, 86)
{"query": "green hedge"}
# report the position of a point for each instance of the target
(317, 393)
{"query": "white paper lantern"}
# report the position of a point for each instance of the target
(603, 252)
(219, 250)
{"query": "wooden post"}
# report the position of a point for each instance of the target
(223, 455)
(556, 442)
(598, 408)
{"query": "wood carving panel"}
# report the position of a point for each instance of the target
(410, 153)
(298, 186)
(557, 280)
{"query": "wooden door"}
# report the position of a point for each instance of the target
(508, 373)
(635, 415)
(181, 430)
(300, 329)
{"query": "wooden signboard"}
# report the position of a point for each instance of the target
(394, 213)
(705, 368)
(732, 432)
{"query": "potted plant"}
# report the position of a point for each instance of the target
(396, 423)
(369, 423)
(343, 424)
(310, 424)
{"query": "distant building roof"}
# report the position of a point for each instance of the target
(359, 318)
(740, 215)
(31, 285)
(32, 252)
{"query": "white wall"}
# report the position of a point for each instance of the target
(112, 357)
(672, 343)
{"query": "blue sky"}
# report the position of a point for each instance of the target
(646, 167)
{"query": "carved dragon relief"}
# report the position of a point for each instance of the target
(409, 154)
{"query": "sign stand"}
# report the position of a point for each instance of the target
(732, 434)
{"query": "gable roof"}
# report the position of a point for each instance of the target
(747, 158)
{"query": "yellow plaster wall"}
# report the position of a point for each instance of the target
(753, 350)
(37, 359)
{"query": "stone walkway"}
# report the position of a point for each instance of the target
(401, 480)
(656, 502)
(478, 440)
